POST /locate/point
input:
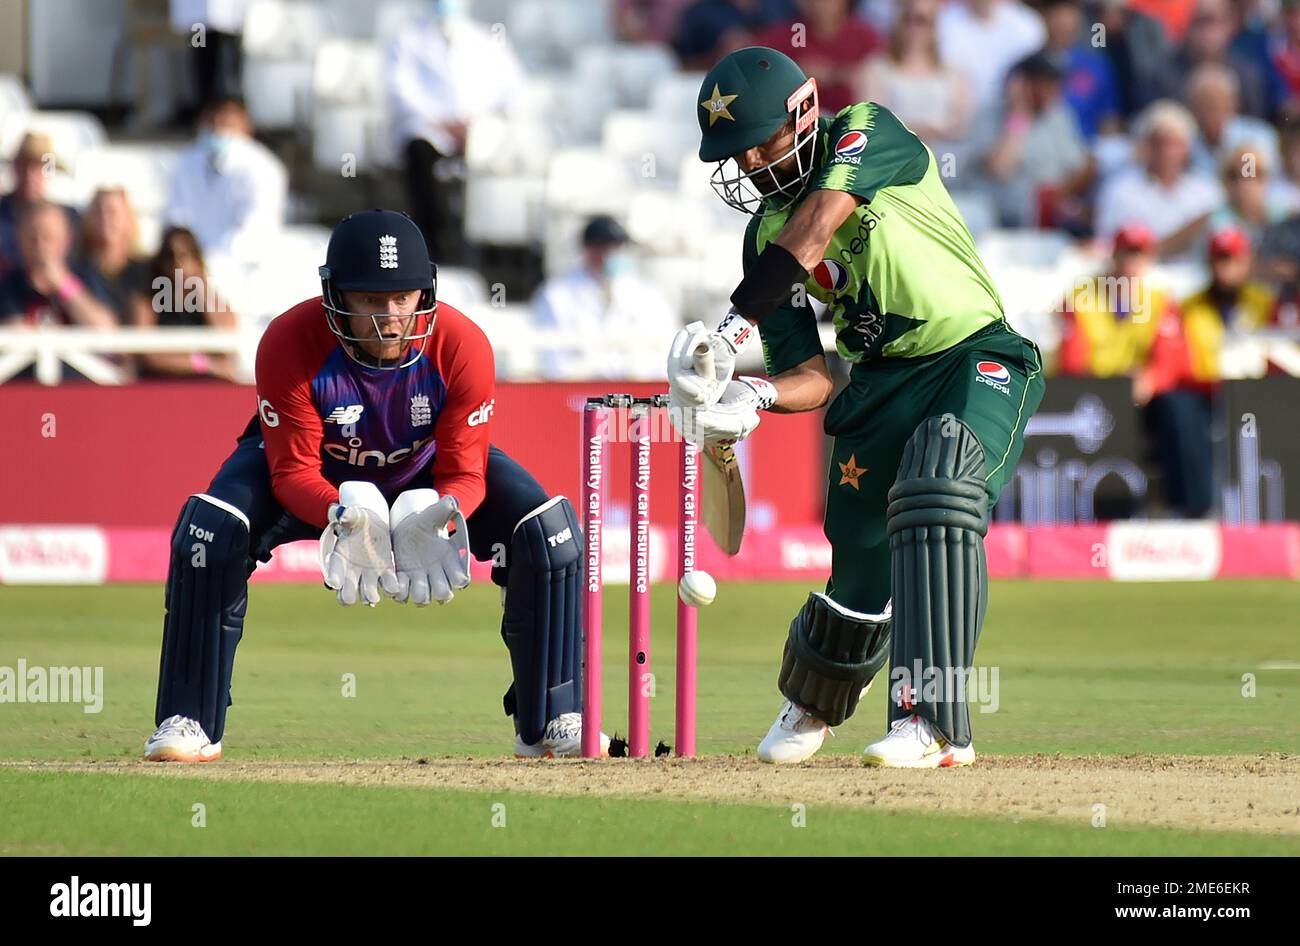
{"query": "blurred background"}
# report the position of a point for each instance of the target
(170, 172)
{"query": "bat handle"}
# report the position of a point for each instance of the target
(703, 357)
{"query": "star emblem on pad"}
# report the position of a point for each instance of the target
(717, 106)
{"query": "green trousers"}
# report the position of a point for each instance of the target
(992, 381)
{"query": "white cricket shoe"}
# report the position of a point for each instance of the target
(562, 739)
(913, 743)
(795, 736)
(181, 739)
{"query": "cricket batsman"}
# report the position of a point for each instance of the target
(374, 404)
(852, 211)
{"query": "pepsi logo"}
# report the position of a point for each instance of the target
(993, 371)
(831, 275)
(851, 143)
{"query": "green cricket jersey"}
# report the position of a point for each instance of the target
(901, 276)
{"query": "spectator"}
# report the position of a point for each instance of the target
(108, 245)
(1039, 161)
(1139, 51)
(1212, 95)
(1284, 48)
(1286, 183)
(1278, 263)
(982, 39)
(647, 21)
(1174, 16)
(218, 60)
(1209, 40)
(445, 71)
(1251, 207)
(1159, 190)
(1089, 83)
(709, 29)
(180, 295)
(912, 82)
(1109, 321)
(1182, 370)
(44, 288)
(831, 43)
(1253, 29)
(228, 189)
(32, 165)
(604, 297)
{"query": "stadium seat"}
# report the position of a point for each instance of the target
(144, 169)
(341, 130)
(280, 40)
(502, 211)
(277, 93)
(587, 180)
(462, 287)
(348, 72)
(651, 147)
(675, 95)
(493, 146)
(545, 31)
(71, 132)
(632, 70)
(14, 99)
(284, 29)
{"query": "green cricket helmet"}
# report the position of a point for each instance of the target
(745, 99)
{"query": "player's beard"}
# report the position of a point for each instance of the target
(384, 343)
(784, 172)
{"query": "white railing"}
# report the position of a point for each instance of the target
(521, 351)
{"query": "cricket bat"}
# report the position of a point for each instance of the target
(722, 505)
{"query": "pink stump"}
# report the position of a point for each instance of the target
(688, 482)
(639, 680)
(595, 467)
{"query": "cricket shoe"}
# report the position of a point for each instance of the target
(562, 739)
(913, 743)
(181, 739)
(795, 736)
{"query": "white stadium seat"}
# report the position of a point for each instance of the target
(652, 147)
(503, 211)
(283, 29)
(14, 99)
(341, 130)
(587, 180)
(276, 92)
(501, 145)
(143, 169)
(348, 72)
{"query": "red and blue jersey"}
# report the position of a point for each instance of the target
(326, 419)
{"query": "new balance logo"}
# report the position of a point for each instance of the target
(345, 415)
(387, 252)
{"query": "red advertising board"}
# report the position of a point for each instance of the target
(128, 456)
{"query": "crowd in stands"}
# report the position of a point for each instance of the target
(1155, 133)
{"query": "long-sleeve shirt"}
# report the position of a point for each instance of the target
(326, 419)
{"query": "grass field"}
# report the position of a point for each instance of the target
(1128, 696)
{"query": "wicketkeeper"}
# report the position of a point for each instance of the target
(852, 211)
(374, 407)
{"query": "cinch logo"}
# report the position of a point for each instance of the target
(353, 455)
(345, 415)
(850, 144)
(831, 275)
(994, 375)
(483, 414)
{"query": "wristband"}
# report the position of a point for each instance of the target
(764, 388)
(769, 283)
(70, 286)
(201, 363)
(735, 330)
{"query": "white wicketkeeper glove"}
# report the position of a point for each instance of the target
(700, 362)
(432, 561)
(735, 416)
(356, 554)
